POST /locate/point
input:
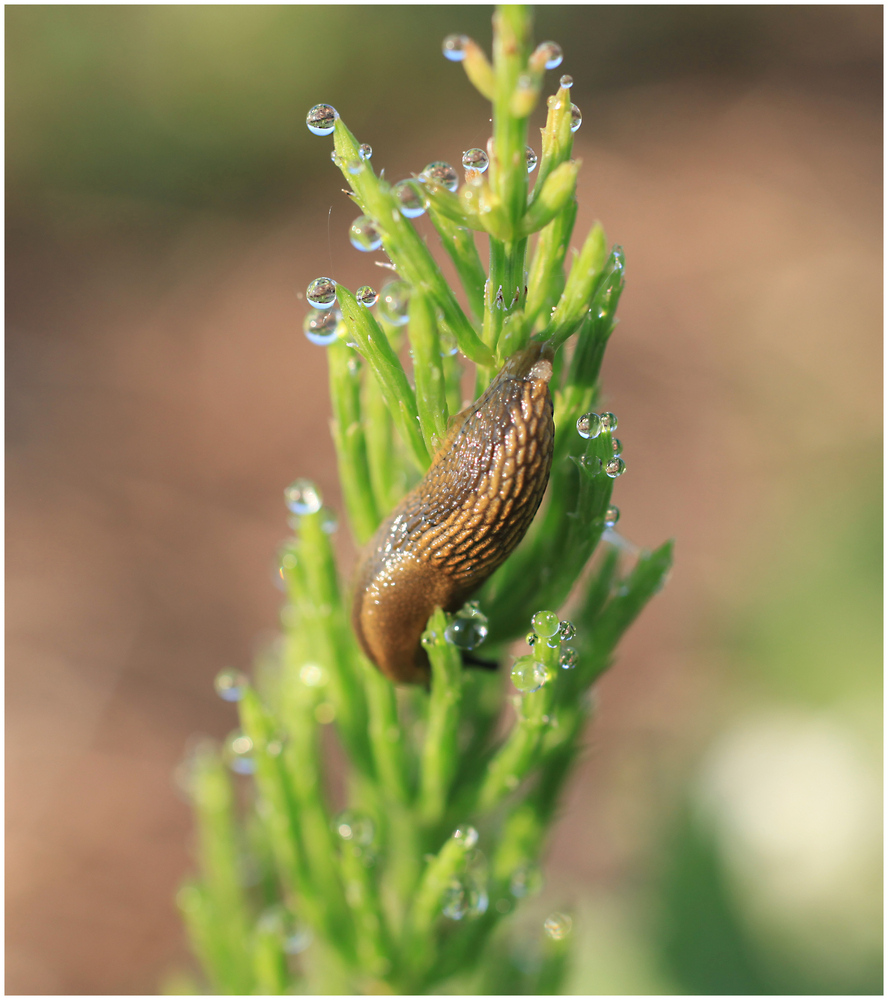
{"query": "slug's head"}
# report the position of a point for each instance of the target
(532, 364)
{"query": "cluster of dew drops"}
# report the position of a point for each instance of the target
(323, 324)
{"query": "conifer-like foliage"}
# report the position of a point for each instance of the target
(403, 877)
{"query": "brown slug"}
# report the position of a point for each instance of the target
(463, 519)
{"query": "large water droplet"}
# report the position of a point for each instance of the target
(394, 302)
(468, 629)
(367, 296)
(568, 659)
(531, 158)
(454, 47)
(545, 623)
(615, 467)
(239, 753)
(566, 81)
(576, 118)
(321, 293)
(528, 674)
(321, 119)
(608, 422)
(302, 497)
(475, 159)
(321, 326)
(355, 827)
(591, 463)
(557, 926)
(611, 516)
(230, 684)
(440, 173)
(566, 631)
(409, 199)
(364, 235)
(589, 425)
(554, 55)
(365, 151)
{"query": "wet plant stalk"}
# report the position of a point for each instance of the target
(353, 837)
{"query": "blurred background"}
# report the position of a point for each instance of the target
(166, 207)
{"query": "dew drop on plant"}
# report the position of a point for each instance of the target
(336, 158)
(230, 684)
(440, 173)
(365, 151)
(467, 835)
(566, 631)
(531, 158)
(321, 326)
(475, 159)
(611, 516)
(617, 445)
(364, 235)
(568, 659)
(530, 638)
(321, 120)
(468, 629)
(321, 293)
(528, 674)
(553, 54)
(557, 926)
(394, 302)
(589, 425)
(428, 638)
(615, 467)
(367, 296)
(576, 118)
(409, 200)
(566, 81)
(330, 522)
(455, 903)
(592, 464)
(313, 675)
(608, 422)
(303, 497)
(355, 827)
(239, 753)
(526, 880)
(454, 47)
(449, 346)
(545, 623)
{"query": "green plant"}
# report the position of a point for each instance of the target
(404, 878)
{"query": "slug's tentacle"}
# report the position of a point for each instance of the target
(462, 520)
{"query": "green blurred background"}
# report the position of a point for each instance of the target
(165, 208)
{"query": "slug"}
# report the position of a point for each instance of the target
(462, 520)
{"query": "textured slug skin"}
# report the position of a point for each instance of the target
(462, 520)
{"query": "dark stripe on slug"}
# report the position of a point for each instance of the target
(463, 519)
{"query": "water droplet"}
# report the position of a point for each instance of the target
(615, 467)
(568, 659)
(367, 296)
(531, 158)
(355, 827)
(545, 623)
(230, 684)
(321, 120)
(409, 199)
(330, 522)
(566, 81)
(335, 157)
(553, 54)
(468, 835)
(449, 346)
(468, 629)
(455, 902)
(440, 173)
(475, 159)
(321, 293)
(321, 326)
(394, 302)
(611, 516)
(617, 445)
(567, 631)
(313, 675)
(591, 463)
(576, 118)
(303, 497)
(298, 941)
(354, 167)
(589, 425)
(239, 753)
(454, 47)
(365, 151)
(557, 926)
(428, 638)
(530, 638)
(527, 880)
(608, 422)
(363, 234)
(528, 674)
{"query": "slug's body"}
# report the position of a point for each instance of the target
(462, 520)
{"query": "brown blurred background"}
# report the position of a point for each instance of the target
(166, 205)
